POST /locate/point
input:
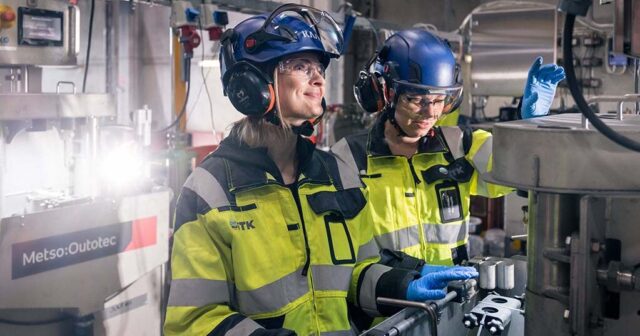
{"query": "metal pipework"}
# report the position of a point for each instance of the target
(633, 98)
(494, 312)
(430, 309)
(618, 277)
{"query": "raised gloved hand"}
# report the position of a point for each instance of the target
(540, 88)
(431, 286)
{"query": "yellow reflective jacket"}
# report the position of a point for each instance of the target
(418, 205)
(250, 252)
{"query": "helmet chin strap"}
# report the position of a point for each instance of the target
(307, 127)
(394, 122)
(391, 115)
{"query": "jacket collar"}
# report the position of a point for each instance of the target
(252, 167)
(377, 144)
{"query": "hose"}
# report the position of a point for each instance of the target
(579, 98)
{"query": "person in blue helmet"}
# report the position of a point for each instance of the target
(419, 177)
(267, 228)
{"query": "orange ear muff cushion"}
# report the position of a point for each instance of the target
(272, 99)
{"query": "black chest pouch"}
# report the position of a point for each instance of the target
(459, 170)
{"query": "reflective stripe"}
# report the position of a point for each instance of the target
(453, 137)
(207, 187)
(482, 188)
(338, 333)
(273, 296)
(367, 297)
(244, 328)
(399, 239)
(330, 277)
(482, 156)
(198, 292)
(368, 250)
(446, 233)
(346, 165)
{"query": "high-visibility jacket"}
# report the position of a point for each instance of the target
(449, 119)
(417, 205)
(420, 205)
(250, 252)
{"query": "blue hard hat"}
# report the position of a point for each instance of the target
(417, 61)
(288, 30)
(419, 57)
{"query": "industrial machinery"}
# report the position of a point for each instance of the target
(84, 230)
(584, 264)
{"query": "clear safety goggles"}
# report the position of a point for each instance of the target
(324, 27)
(422, 96)
(301, 67)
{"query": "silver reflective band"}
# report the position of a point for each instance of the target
(346, 165)
(446, 233)
(481, 159)
(368, 250)
(207, 187)
(399, 239)
(245, 327)
(330, 277)
(272, 296)
(453, 137)
(197, 292)
(367, 295)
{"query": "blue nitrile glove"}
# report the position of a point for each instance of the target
(540, 88)
(431, 286)
(427, 269)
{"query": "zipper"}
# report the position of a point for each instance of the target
(296, 198)
(416, 180)
(418, 201)
(307, 263)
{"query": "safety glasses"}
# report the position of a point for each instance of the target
(301, 67)
(449, 98)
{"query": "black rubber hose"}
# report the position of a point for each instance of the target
(579, 98)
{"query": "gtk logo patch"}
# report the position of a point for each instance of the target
(245, 225)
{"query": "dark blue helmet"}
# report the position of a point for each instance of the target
(288, 30)
(419, 62)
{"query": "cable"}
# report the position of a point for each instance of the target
(181, 114)
(86, 64)
(579, 98)
(206, 88)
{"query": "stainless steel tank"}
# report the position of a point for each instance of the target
(583, 234)
(502, 40)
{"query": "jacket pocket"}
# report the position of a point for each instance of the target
(340, 243)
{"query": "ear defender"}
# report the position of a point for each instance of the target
(369, 87)
(248, 88)
(368, 92)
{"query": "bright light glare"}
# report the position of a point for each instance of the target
(122, 167)
(209, 63)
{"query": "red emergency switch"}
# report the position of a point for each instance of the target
(7, 17)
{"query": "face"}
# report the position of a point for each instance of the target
(300, 87)
(416, 114)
